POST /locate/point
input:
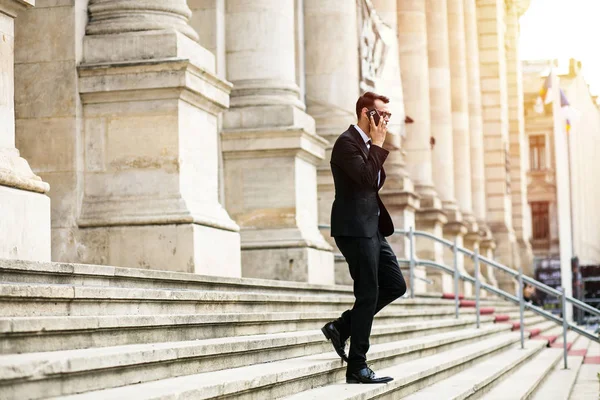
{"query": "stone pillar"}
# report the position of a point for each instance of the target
(270, 148)
(25, 215)
(208, 20)
(440, 93)
(519, 155)
(460, 111)
(486, 249)
(475, 239)
(398, 194)
(332, 80)
(492, 62)
(412, 49)
(151, 99)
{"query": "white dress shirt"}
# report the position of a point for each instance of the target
(366, 139)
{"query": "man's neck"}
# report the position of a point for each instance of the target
(365, 127)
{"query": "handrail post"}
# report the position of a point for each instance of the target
(476, 263)
(564, 323)
(456, 301)
(521, 307)
(411, 265)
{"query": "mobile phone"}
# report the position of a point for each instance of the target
(373, 113)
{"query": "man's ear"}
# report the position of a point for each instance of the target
(364, 112)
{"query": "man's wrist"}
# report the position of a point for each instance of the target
(380, 144)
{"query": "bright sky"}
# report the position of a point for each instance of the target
(563, 29)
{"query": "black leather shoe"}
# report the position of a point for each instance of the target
(339, 343)
(366, 375)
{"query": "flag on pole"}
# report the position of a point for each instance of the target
(544, 96)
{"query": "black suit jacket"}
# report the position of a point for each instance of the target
(354, 168)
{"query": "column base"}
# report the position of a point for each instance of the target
(270, 156)
(24, 225)
(401, 202)
(455, 230)
(507, 254)
(526, 256)
(151, 103)
(486, 248)
(299, 264)
(190, 248)
(25, 231)
(421, 286)
(430, 218)
(342, 273)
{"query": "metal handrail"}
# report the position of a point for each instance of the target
(413, 262)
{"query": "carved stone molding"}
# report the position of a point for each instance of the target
(120, 16)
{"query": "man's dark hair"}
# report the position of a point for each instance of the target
(368, 100)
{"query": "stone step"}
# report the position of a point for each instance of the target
(33, 334)
(413, 376)
(587, 382)
(523, 381)
(480, 376)
(196, 355)
(286, 377)
(46, 300)
(560, 382)
(17, 271)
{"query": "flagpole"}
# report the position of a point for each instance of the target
(570, 192)
(562, 171)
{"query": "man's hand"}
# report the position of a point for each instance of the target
(378, 132)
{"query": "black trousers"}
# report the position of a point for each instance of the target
(377, 282)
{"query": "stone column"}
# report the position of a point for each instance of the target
(398, 194)
(270, 148)
(474, 239)
(441, 125)
(492, 62)
(25, 215)
(151, 100)
(460, 111)
(208, 20)
(412, 43)
(332, 80)
(519, 155)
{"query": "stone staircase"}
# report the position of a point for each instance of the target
(94, 332)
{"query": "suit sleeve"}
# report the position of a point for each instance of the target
(348, 157)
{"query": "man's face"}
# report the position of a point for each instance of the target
(383, 110)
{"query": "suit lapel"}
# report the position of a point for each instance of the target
(361, 143)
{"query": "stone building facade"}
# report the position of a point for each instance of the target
(195, 136)
(543, 170)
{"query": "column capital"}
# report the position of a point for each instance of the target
(121, 16)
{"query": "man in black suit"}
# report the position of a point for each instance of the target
(359, 224)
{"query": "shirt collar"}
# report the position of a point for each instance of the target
(362, 134)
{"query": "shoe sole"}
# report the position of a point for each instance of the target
(354, 381)
(329, 338)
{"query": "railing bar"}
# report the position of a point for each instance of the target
(456, 301)
(563, 303)
(545, 288)
(541, 285)
(477, 285)
(521, 308)
(434, 265)
(411, 265)
(432, 237)
(582, 305)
